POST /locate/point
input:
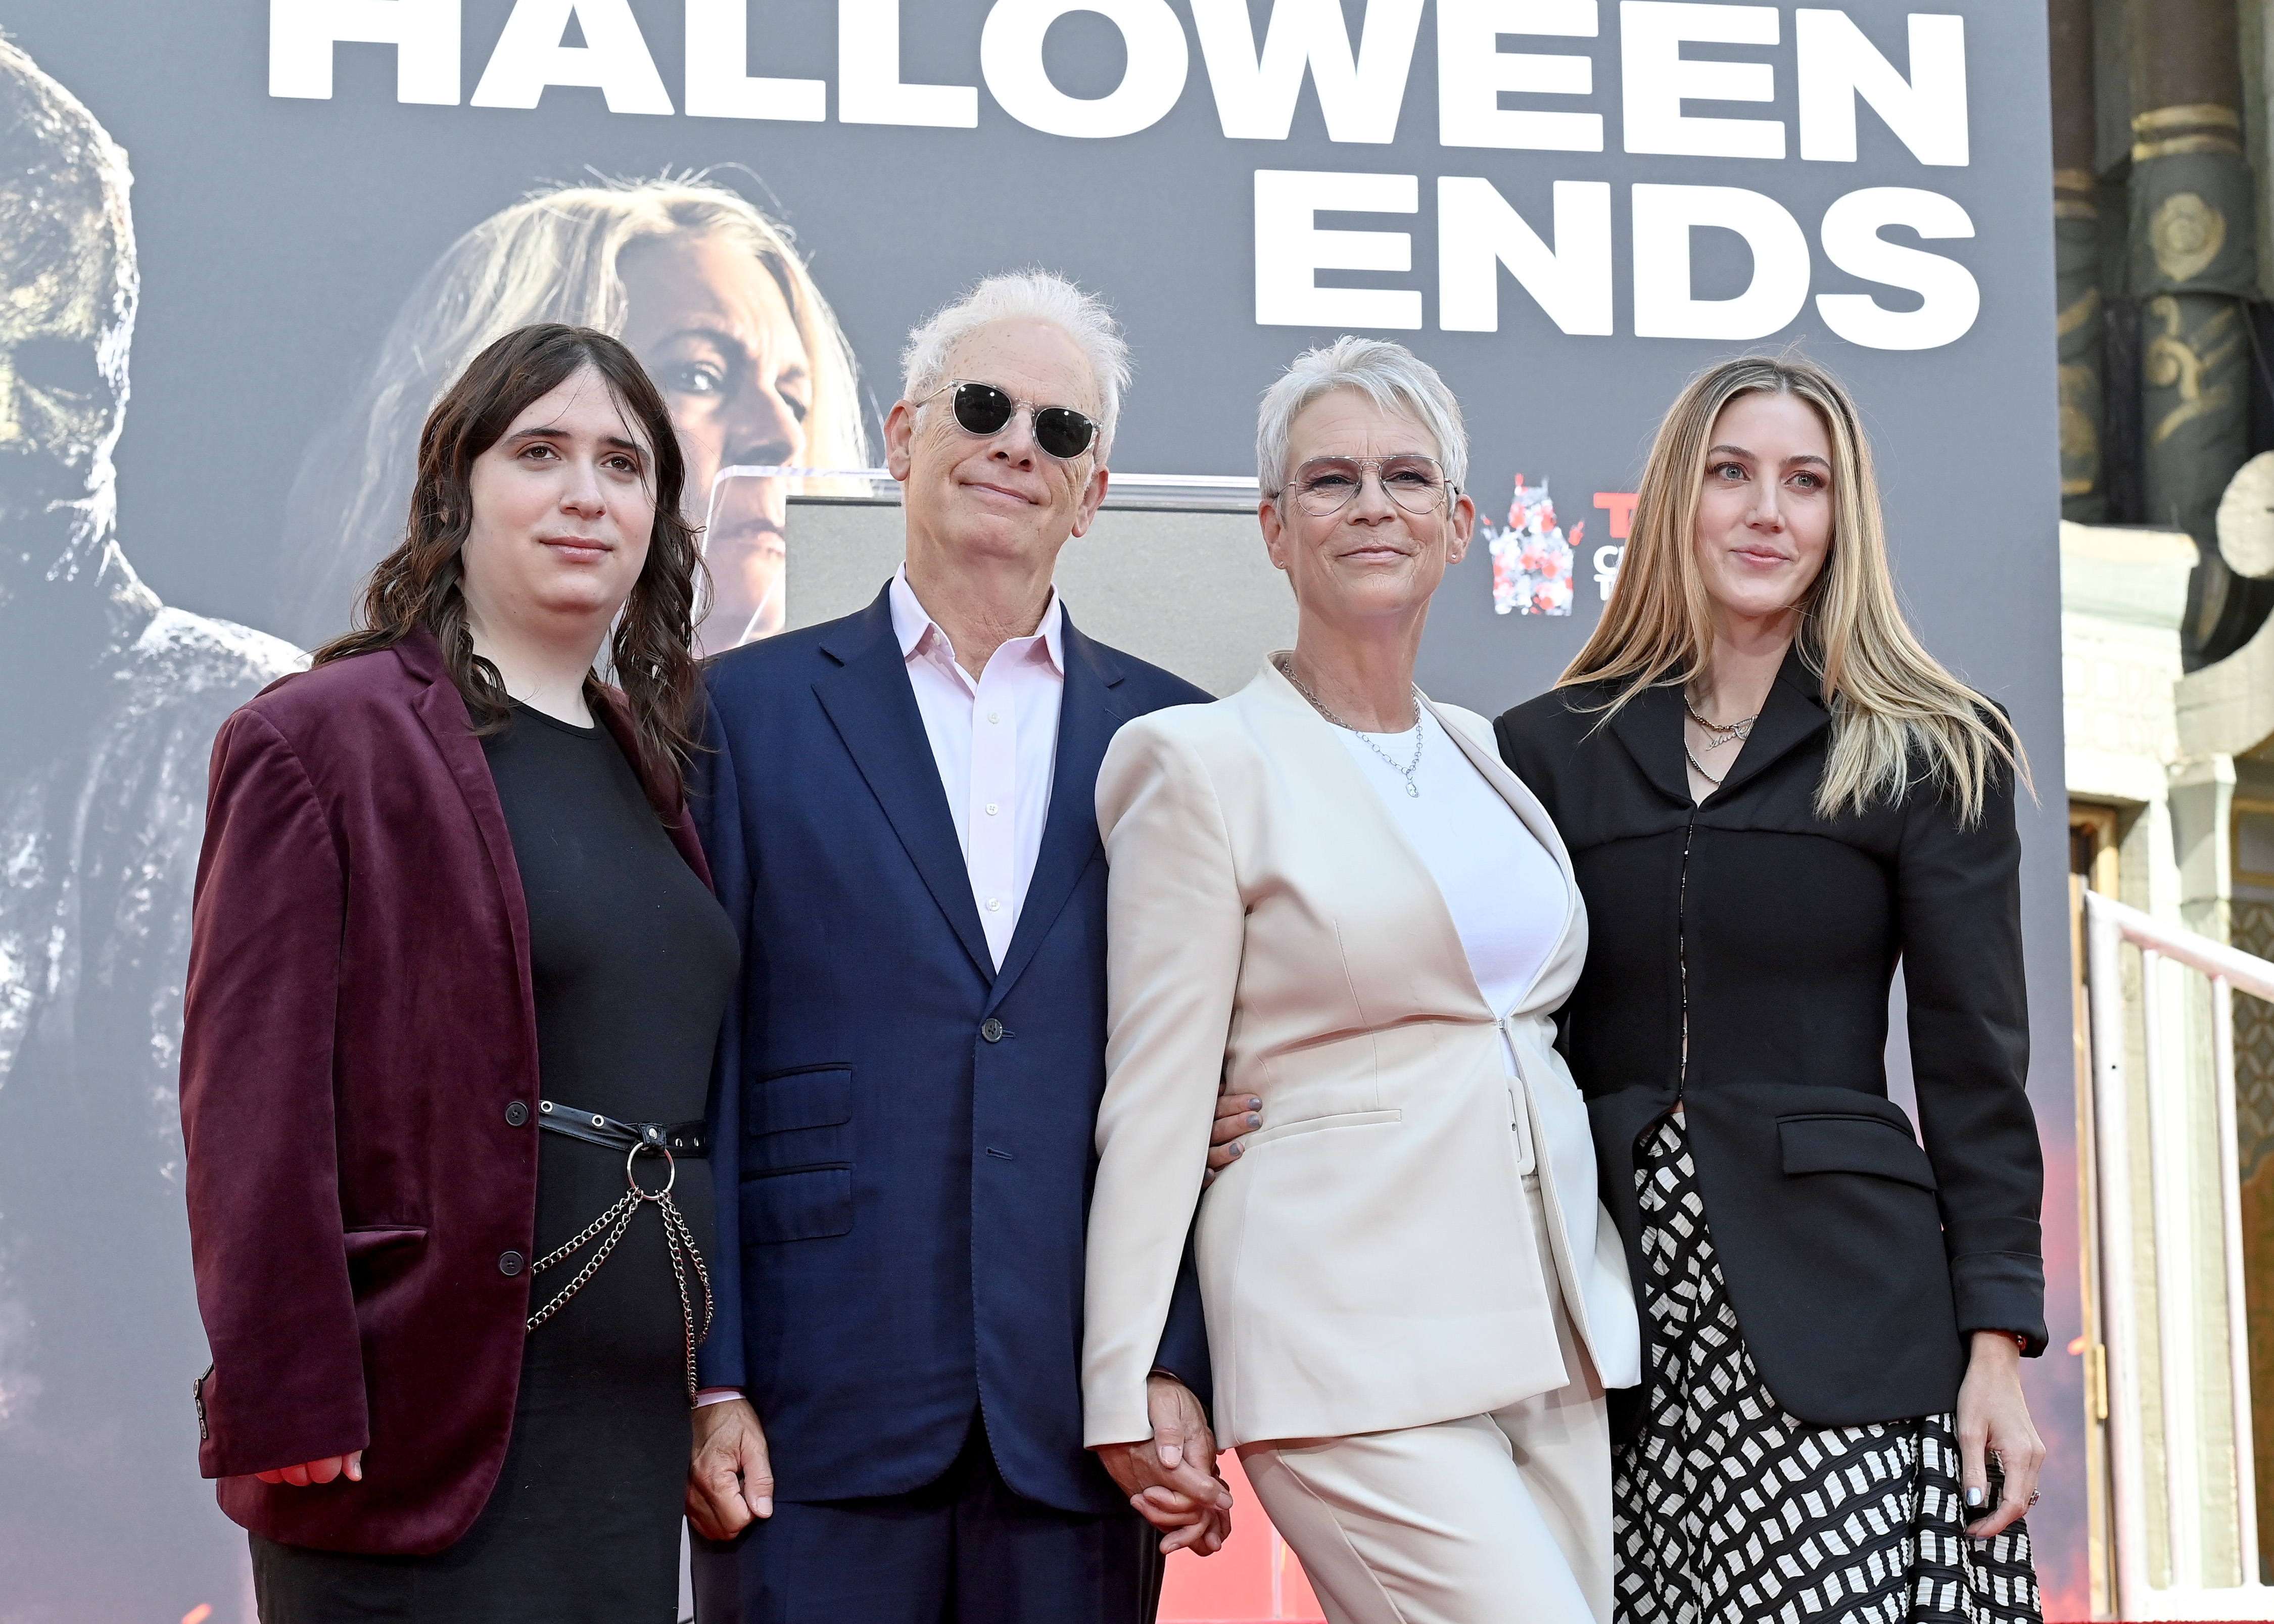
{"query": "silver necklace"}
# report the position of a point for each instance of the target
(1720, 733)
(1700, 767)
(1420, 735)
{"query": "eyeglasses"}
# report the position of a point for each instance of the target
(1323, 487)
(984, 409)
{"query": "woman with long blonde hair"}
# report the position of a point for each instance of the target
(709, 293)
(1773, 796)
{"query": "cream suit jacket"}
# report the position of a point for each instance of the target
(1369, 1262)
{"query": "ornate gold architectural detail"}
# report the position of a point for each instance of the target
(2187, 113)
(2077, 314)
(2205, 127)
(2141, 151)
(2080, 444)
(2176, 360)
(2185, 233)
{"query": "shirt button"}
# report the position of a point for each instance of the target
(508, 1263)
(991, 808)
(516, 1114)
(994, 905)
(994, 716)
(991, 1029)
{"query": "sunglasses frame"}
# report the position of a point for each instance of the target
(1034, 411)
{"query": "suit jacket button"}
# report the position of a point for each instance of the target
(516, 1113)
(509, 1263)
(991, 1029)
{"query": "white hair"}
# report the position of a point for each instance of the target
(1025, 296)
(1389, 375)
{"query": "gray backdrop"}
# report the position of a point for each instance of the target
(279, 236)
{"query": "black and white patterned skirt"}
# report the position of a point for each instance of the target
(1727, 1510)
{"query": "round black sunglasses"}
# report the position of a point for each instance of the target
(984, 409)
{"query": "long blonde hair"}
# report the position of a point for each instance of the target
(550, 257)
(1890, 699)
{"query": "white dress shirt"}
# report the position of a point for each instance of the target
(996, 744)
(1504, 891)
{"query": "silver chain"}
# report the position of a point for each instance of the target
(1420, 735)
(1719, 733)
(677, 1236)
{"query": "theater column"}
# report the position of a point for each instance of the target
(2192, 265)
(2082, 319)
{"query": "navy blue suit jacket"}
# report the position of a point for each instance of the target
(913, 1128)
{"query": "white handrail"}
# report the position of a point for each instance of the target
(2184, 1593)
(2111, 1127)
(2245, 970)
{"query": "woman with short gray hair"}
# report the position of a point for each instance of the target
(1329, 897)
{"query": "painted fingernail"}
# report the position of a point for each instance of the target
(1254, 1103)
(1238, 1149)
(1253, 1121)
(1975, 1497)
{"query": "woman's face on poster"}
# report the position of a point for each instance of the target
(714, 330)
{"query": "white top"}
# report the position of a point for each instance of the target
(1504, 891)
(996, 744)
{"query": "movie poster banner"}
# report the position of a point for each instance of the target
(290, 222)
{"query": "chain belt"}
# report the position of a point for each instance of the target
(636, 1139)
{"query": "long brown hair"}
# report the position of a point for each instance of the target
(421, 584)
(1888, 696)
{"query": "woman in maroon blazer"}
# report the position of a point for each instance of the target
(450, 896)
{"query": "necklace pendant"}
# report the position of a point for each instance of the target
(1413, 789)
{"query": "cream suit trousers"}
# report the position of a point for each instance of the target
(1495, 1519)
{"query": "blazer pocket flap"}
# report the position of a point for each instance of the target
(1312, 1125)
(820, 1098)
(366, 1243)
(808, 1204)
(1853, 1145)
(380, 1254)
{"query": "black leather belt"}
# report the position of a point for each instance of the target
(681, 1139)
(637, 1140)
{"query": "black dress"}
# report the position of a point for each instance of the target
(1807, 1271)
(632, 961)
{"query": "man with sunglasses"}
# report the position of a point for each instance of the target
(899, 811)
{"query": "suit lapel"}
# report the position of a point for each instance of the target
(1650, 726)
(869, 703)
(1087, 721)
(1790, 716)
(664, 791)
(443, 713)
(1310, 750)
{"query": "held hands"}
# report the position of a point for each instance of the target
(1171, 1477)
(730, 1478)
(324, 1470)
(1994, 1418)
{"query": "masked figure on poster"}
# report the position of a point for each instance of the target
(707, 291)
(102, 779)
(1531, 558)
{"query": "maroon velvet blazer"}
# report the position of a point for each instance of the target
(359, 1084)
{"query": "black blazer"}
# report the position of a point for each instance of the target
(1856, 1262)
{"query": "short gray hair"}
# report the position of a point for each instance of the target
(1025, 296)
(1389, 375)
